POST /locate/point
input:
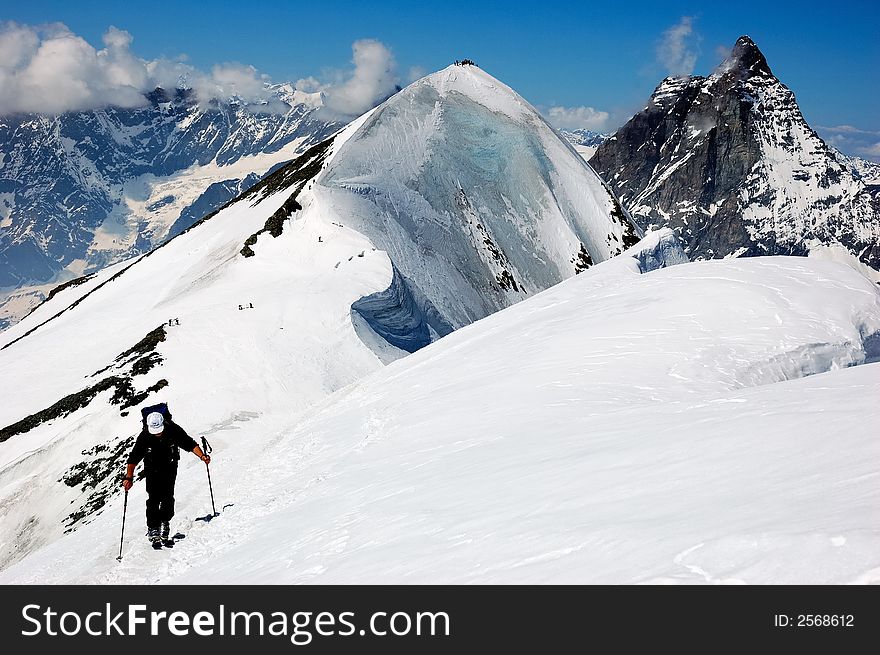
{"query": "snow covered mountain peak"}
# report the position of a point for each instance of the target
(467, 187)
(729, 162)
(450, 201)
(472, 81)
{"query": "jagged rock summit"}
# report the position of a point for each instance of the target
(729, 163)
(746, 59)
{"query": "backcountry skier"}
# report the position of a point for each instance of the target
(158, 446)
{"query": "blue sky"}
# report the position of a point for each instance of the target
(570, 55)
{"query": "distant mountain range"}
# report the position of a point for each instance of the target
(585, 137)
(727, 161)
(85, 189)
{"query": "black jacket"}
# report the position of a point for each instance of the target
(161, 452)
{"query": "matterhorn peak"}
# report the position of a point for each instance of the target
(746, 59)
(735, 147)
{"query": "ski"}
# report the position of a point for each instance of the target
(168, 543)
(157, 545)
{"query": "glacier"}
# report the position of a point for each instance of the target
(476, 199)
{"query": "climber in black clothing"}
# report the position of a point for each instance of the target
(158, 445)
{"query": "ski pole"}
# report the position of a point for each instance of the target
(206, 448)
(122, 536)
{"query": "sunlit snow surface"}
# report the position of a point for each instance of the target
(618, 428)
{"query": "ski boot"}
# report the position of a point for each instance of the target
(155, 538)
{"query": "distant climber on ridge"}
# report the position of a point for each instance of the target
(158, 446)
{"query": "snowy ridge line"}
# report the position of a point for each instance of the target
(73, 304)
(119, 187)
(70, 284)
(295, 174)
(607, 443)
(295, 313)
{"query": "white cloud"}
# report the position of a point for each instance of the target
(722, 52)
(852, 140)
(309, 85)
(415, 73)
(848, 129)
(234, 79)
(677, 50)
(872, 150)
(49, 69)
(347, 94)
(573, 118)
(374, 78)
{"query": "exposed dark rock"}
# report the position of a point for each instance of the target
(294, 174)
(583, 261)
(98, 476)
(124, 393)
(710, 158)
(66, 285)
(146, 345)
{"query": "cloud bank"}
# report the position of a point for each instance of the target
(678, 49)
(575, 118)
(48, 69)
(852, 140)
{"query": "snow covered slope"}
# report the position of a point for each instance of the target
(693, 424)
(313, 279)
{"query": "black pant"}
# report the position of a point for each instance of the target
(160, 488)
